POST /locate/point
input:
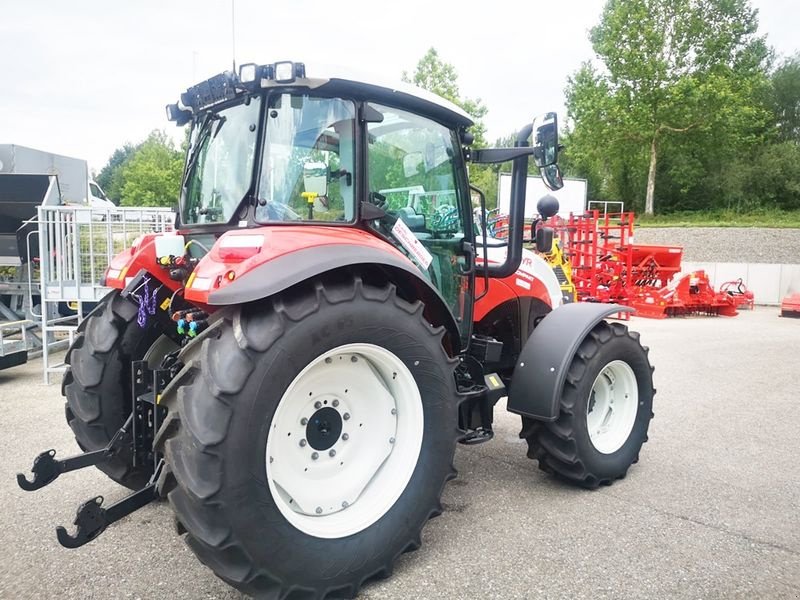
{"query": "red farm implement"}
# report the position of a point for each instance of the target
(790, 306)
(608, 266)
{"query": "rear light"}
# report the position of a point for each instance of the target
(236, 248)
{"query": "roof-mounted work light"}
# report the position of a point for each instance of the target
(178, 115)
(248, 73)
(287, 71)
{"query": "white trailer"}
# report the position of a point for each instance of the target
(571, 198)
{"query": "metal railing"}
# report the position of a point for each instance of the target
(76, 245)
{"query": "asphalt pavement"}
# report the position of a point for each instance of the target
(712, 510)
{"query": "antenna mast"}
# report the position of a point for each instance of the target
(233, 35)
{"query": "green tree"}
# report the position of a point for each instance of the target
(152, 174)
(441, 78)
(110, 176)
(671, 69)
(786, 98)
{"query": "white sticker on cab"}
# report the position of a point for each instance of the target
(412, 245)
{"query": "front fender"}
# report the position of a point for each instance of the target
(542, 365)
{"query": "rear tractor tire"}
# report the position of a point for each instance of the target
(309, 437)
(605, 411)
(97, 384)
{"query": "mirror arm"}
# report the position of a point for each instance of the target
(488, 156)
(516, 218)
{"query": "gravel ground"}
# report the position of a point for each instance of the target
(727, 244)
(712, 510)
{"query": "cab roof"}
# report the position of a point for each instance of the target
(332, 80)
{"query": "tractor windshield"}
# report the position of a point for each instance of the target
(307, 160)
(220, 166)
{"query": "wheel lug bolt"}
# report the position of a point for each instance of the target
(394, 411)
(346, 416)
(319, 510)
(345, 504)
(391, 440)
(353, 359)
(303, 421)
(328, 360)
(332, 453)
(335, 403)
(303, 443)
(345, 436)
(315, 456)
(317, 404)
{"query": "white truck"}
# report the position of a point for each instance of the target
(75, 185)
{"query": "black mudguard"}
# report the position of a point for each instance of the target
(290, 269)
(542, 365)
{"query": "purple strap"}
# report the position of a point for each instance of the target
(147, 304)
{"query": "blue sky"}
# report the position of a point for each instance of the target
(82, 77)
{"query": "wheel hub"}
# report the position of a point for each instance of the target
(344, 440)
(324, 428)
(612, 406)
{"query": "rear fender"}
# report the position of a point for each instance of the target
(542, 365)
(282, 272)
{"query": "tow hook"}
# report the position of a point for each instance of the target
(136, 435)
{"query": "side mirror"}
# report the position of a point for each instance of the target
(315, 178)
(544, 240)
(545, 139)
(551, 175)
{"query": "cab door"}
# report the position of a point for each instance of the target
(416, 175)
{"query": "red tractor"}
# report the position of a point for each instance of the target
(294, 366)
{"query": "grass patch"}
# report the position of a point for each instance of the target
(723, 218)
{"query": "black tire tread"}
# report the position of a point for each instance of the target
(553, 444)
(219, 363)
(104, 342)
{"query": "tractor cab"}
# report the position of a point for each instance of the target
(275, 148)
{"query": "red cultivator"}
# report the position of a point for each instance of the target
(607, 266)
(692, 294)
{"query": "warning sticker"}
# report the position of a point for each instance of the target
(412, 245)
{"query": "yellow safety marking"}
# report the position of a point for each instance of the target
(493, 381)
(123, 273)
(158, 399)
(191, 280)
(165, 304)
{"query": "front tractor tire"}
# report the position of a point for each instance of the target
(97, 384)
(310, 436)
(605, 411)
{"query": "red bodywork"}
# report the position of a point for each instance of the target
(239, 251)
(520, 284)
(236, 253)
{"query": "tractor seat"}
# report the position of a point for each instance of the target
(414, 221)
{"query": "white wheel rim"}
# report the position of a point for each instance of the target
(612, 407)
(338, 490)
